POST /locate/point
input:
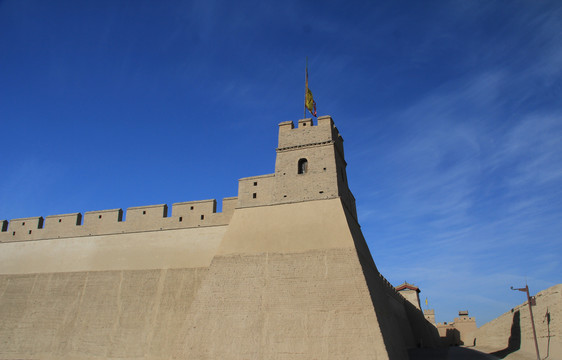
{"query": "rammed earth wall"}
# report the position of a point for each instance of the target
(283, 272)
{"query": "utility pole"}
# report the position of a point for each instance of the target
(526, 289)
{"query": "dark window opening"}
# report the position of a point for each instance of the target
(324, 169)
(144, 212)
(30, 231)
(60, 220)
(191, 208)
(181, 219)
(303, 166)
(254, 195)
(202, 217)
(14, 233)
(321, 192)
(99, 217)
(255, 183)
(23, 223)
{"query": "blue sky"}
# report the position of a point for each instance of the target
(450, 111)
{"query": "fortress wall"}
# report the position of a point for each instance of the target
(292, 279)
(405, 326)
(319, 224)
(512, 331)
(308, 305)
(228, 206)
(308, 291)
(95, 315)
(199, 213)
(467, 327)
(146, 217)
(101, 297)
(287, 275)
(255, 190)
(387, 302)
(306, 133)
(103, 222)
(425, 333)
(320, 176)
(60, 224)
(24, 227)
(168, 249)
(412, 297)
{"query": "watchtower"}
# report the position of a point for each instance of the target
(310, 165)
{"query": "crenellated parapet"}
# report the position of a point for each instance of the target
(309, 166)
(115, 221)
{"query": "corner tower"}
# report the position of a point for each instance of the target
(310, 165)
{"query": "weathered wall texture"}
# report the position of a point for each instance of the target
(512, 332)
(95, 315)
(281, 287)
(306, 292)
(182, 248)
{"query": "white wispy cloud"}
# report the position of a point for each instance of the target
(475, 200)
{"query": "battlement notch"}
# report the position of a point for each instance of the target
(307, 133)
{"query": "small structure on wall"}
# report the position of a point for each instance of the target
(410, 293)
(459, 332)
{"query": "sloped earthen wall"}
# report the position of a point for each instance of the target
(512, 331)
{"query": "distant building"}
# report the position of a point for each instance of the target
(459, 332)
(430, 315)
(411, 293)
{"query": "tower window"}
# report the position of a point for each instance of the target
(254, 195)
(303, 166)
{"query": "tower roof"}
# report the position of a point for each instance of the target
(407, 286)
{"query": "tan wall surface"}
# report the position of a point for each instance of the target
(296, 281)
(311, 305)
(305, 289)
(182, 248)
(286, 228)
(512, 331)
(185, 215)
(95, 315)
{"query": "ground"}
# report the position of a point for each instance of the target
(462, 353)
